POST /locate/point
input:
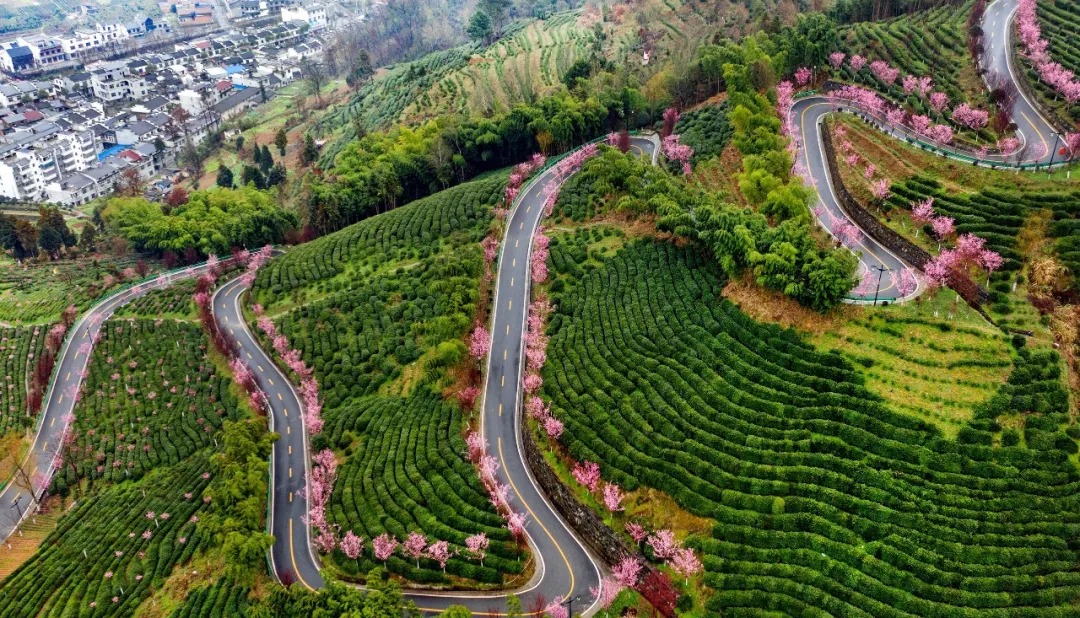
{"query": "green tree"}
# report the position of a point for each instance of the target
(310, 153)
(7, 232)
(456, 611)
(252, 175)
(266, 160)
(281, 140)
(384, 598)
(238, 494)
(87, 238)
(361, 70)
(26, 239)
(276, 176)
(49, 240)
(225, 177)
(479, 28)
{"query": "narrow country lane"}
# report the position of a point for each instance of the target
(1032, 128)
(564, 567)
(17, 501)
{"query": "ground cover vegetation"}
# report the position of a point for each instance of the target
(380, 311)
(789, 490)
(706, 129)
(930, 43)
(20, 347)
(153, 488)
(36, 293)
(1057, 21)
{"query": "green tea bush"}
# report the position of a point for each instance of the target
(824, 499)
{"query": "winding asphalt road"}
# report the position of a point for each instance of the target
(17, 500)
(564, 566)
(1032, 128)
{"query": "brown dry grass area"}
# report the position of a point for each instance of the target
(20, 547)
(720, 174)
(775, 308)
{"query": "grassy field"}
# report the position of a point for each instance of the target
(926, 366)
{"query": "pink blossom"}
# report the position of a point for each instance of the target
(969, 117)
(857, 62)
(910, 83)
(969, 246)
(923, 212)
(636, 531)
(613, 497)
(884, 72)
(479, 342)
(895, 116)
(836, 59)
(802, 76)
(943, 227)
(880, 189)
(685, 562)
(384, 546)
(556, 609)
(439, 551)
(870, 170)
(476, 444)
(990, 260)
(515, 523)
(939, 101)
(663, 544)
(627, 571)
(587, 474)
(553, 427)
(351, 545)
(906, 283)
(608, 591)
(866, 286)
(325, 540)
(941, 133)
(532, 382)
(477, 545)
(414, 546)
(920, 123)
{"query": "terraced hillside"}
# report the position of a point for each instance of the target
(1058, 19)
(929, 42)
(998, 215)
(19, 349)
(825, 500)
(380, 310)
(138, 461)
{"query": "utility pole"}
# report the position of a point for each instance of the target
(881, 271)
(570, 605)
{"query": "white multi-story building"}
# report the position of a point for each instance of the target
(31, 159)
(113, 81)
(84, 42)
(314, 15)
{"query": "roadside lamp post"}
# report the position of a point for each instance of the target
(881, 271)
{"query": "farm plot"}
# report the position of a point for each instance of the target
(173, 302)
(706, 130)
(152, 398)
(19, 349)
(380, 310)
(999, 214)
(39, 292)
(106, 555)
(925, 43)
(927, 368)
(825, 499)
(1058, 19)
